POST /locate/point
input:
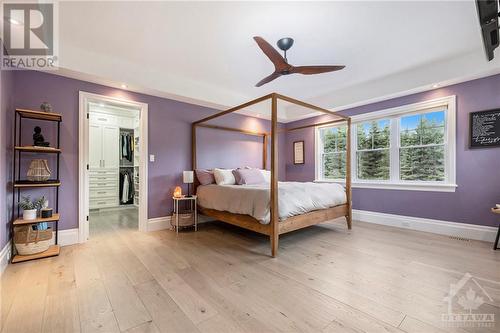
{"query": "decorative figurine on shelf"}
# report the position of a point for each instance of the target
(46, 107)
(38, 139)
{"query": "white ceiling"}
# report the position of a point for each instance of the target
(204, 53)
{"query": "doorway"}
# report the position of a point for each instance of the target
(113, 168)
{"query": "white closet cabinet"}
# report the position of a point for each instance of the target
(104, 163)
(111, 147)
(95, 146)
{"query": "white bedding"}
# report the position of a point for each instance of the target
(294, 198)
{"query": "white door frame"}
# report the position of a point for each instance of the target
(83, 159)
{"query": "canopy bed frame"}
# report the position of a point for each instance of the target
(276, 227)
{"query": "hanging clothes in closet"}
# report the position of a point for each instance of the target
(127, 146)
(126, 187)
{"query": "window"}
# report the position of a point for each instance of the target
(410, 147)
(422, 147)
(333, 152)
(372, 153)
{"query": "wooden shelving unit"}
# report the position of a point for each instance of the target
(27, 183)
(19, 184)
(35, 149)
(54, 218)
(52, 251)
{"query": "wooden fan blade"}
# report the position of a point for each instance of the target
(268, 79)
(273, 55)
(308, 70)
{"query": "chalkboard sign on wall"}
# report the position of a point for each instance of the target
(485, 129)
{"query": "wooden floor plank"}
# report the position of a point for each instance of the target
(166, 314)
(61, 313)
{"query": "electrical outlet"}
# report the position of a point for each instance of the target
(151, 158)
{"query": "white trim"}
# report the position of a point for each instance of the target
(415, 186)
(163, 222)
(68, 237)
(449, 185)
(406, 109)
(83, 181)
(462, 230)
(159, 223)
(5, 257)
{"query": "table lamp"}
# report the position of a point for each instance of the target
(188, 178)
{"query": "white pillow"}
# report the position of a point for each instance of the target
(266, 174)
(224, 177)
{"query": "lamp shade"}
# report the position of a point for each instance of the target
(188, 177)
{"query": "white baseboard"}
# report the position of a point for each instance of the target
(163, 222)
(159, 223)
(463, 230)
(68, 237)
(4, 257)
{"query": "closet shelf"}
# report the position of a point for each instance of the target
(52, 251)
(54, 218)
(38, 149)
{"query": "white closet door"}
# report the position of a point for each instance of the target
(110, 147)
(95, 146)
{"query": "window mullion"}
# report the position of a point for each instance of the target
(354, 152)
(394, 150)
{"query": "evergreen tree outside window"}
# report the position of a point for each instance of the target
(422, 147)
(333, 152)
(373, 154)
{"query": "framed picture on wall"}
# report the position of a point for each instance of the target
(484, 129)
(298, 152)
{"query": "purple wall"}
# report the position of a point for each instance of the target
(169, 137)
(478, 170)
(6, 92)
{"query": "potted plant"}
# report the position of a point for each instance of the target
(30, 208)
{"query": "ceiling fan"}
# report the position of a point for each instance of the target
(281, 65)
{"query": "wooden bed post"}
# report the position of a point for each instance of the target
(193, 155)
(264, 152)
(348, 184)
(274, 177)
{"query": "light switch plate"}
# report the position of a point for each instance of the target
(151, 158)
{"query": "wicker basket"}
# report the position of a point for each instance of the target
(29, 241)
(186, 219)
(39, 170)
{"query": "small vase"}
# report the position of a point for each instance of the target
(29, 214)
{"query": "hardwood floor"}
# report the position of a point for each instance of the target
(221, 279)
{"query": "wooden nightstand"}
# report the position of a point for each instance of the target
(177, 214)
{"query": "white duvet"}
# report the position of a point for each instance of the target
(294, 198)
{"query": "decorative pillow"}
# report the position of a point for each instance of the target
(237, 177)
(249, 176)
(224, 177)
(266, 174)
(205, 177)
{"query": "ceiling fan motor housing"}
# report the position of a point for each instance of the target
(285, 43)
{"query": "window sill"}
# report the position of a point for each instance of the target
(397, 186)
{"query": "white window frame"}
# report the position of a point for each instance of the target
(393, 114)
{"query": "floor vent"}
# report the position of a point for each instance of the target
(460, 238)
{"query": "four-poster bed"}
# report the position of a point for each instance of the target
(275, 226)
